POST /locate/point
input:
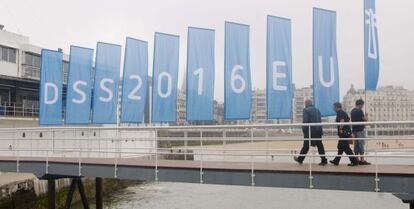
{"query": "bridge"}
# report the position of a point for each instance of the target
(250, 155)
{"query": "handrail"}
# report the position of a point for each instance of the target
(202, 127)
(205, 154)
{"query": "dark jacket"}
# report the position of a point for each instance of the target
(357, 115)
(345, 130)
(312, 115)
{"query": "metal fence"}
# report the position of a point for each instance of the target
(18, 111)
(264, 143)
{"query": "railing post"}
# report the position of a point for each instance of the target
(377, 189)
(310, 160)
(224, 145)
(185, 144)
(80, 159)
(18, 155)
(120, 143)
(201, 157)
(117, 142)
(53, 141)
(251, 159)
(47, 157)
(267, 144)
(156, 155)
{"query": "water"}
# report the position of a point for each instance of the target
(198, 196)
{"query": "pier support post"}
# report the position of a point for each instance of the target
(76, 181)
(82, 194)
(70, 194)
(98, 193)
(51, 193)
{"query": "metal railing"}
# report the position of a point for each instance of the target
(16, 110)
(252, 144)
(30, 72)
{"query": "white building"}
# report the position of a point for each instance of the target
(388, 103)
(19, 79)
(19, 58)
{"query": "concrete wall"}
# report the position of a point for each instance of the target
(18, 122)
(76, 143)
(9, 69)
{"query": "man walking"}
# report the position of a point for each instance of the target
(357, 115)
(344, 132)
(312, 115)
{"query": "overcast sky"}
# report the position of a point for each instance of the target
(59, 24)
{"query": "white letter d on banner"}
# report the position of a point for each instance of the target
(55, 93)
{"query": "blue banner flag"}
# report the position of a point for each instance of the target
(165, 76)
(200, 74)
(237, 83)
(371, 48)
(105, 94)
(78, 98)
(325, 61)
(279, 68)
(51, 84)
(135, 79)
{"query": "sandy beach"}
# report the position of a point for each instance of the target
(371, 145)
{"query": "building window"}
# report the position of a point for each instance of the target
(32, 60)
(31, 65)
(8, 54)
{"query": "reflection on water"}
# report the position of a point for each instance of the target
(197, 196)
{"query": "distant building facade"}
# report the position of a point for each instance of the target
(218, 112)
(299, 97)
(258, 112)
(388, 103)
(181, 110)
